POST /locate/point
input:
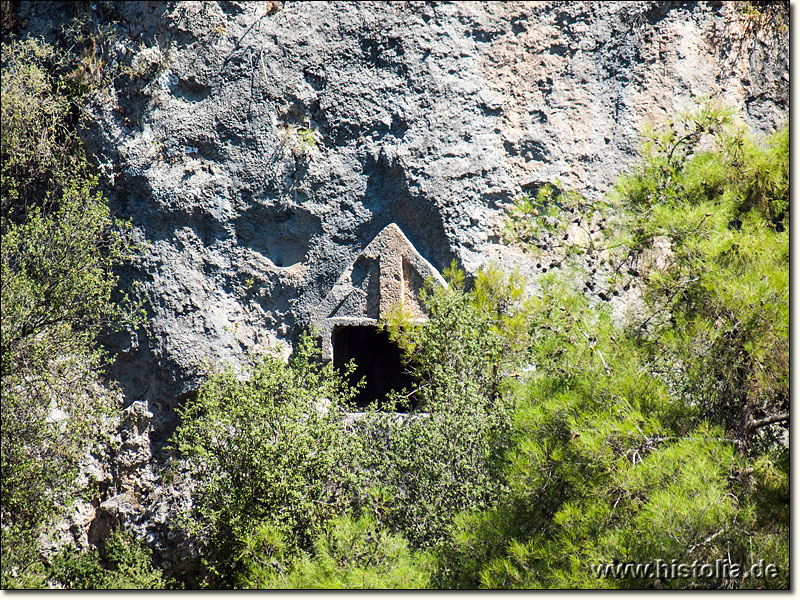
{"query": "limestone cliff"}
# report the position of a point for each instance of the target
(263, 145)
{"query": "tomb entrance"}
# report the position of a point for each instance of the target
(389, 273)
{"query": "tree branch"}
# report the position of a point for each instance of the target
(768, 420)
(707, 540)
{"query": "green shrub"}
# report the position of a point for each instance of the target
(59, 250)
(447, 456)
(127, 565)
(719, 299)
(271, 448)
(41, 151)
(267, 458)
(349, 554)
(661, 440)
(57, 280)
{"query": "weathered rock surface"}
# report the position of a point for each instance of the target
(260, 153)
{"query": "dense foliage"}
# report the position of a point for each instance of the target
(59, 249)
(269, 450)
(125, 565)
(665, 439)
(610, 469)
(278, 453)
(719, 302)
(557, 446)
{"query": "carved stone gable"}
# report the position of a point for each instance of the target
(388, 272)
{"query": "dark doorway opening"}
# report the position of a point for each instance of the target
(377, 359)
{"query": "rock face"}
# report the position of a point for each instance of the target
(258, 147)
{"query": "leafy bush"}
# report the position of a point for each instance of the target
(127, 565)
(59, 250)
(447, 456)
(41, 151)
(272, 448)
(276, 452)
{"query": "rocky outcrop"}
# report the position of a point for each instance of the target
(257, 151)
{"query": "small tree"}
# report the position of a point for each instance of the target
(719, 302)
(448, 456)
(661, 440)
(59, 250)
(272, 448)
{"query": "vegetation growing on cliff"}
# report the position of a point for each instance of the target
(661, 439)
(666, 438)
(719, 304)
(59, 249)
(276, 457)
(549, 438)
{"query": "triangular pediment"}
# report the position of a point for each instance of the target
(388, 272)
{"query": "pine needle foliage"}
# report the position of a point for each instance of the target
(719, 296)
(663, 440)
(349, 554)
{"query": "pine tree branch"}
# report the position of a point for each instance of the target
(768, 420)
(706, 541)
